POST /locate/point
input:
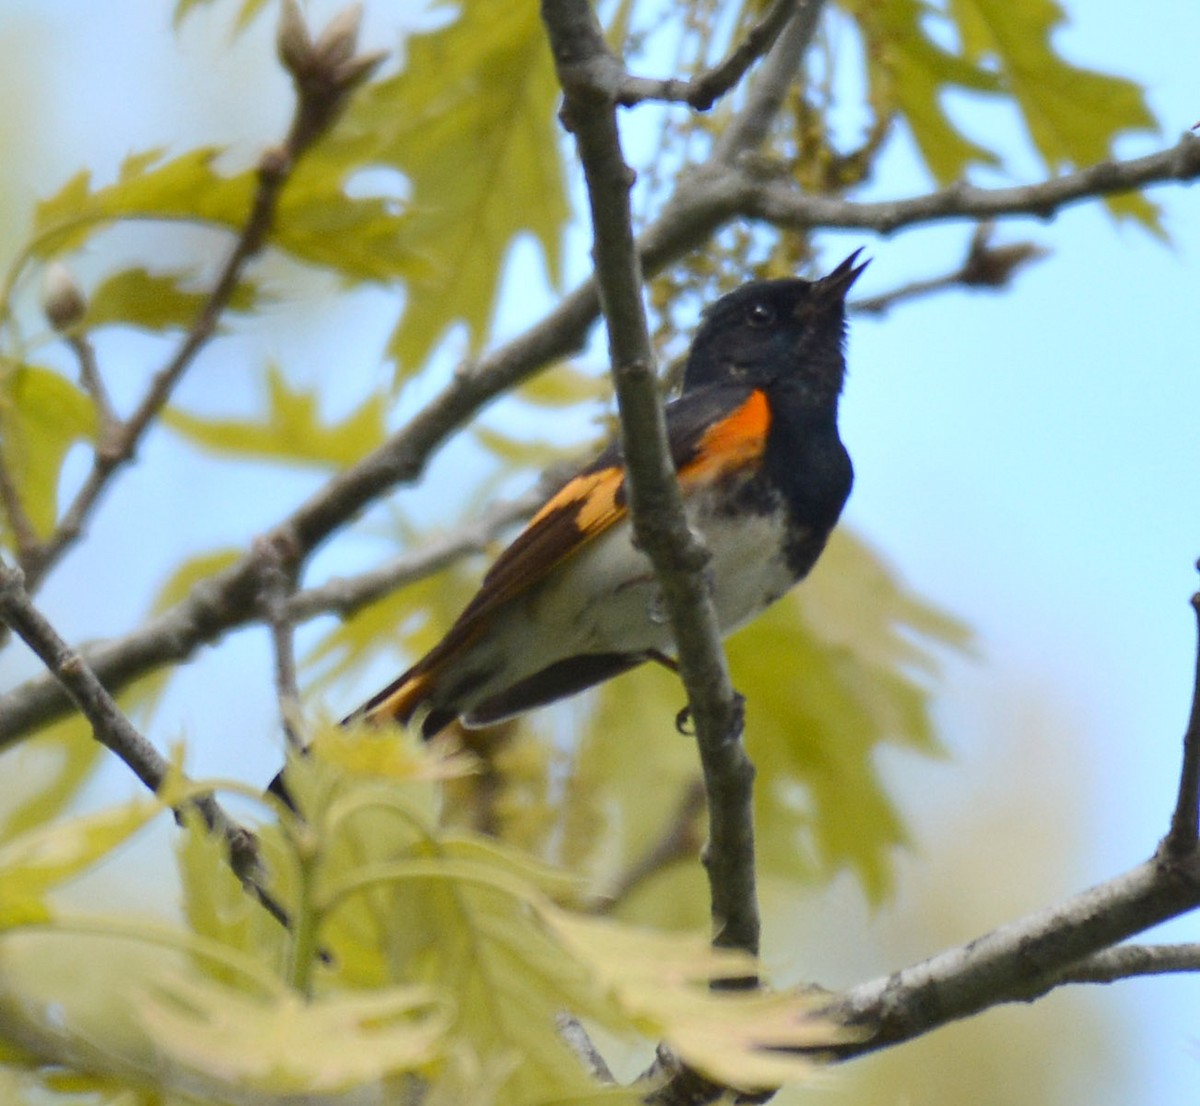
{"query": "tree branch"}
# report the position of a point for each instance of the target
(112, 729)
(708, 86)
(784, 206)
(345, 595)
(985, 266)
(93, 384)
(585, 68)
(1133, 961)
(1018, 962)
(116, 733)
(747, 130)
(679, 840)
(1025, 959)
(323, 75)
(1181, 839)
(278, 586)
(20, 525)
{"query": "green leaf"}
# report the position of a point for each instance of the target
(316, 221)
(44, 774)
(35, 862)
(195, 569)
(831, 675)
(467, 914)
(627, 781)
(285, 1043)
(42, 777)
(292, 430)
(653, 977)
(216, 904)
(246, 13)
(470, 123)
(185, 187)
(1073, 114)
(362, 238)
(909, 72)
(514, 451)
(154, 301)
(404, 624)
(41, 417)
(565, 385)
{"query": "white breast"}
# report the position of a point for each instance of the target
(605, 599)
(612, 601)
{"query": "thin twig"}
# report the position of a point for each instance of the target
(345, 595)
(1181, 839)
(985, 266)
(748, 129)
(278, 581)
(1133, 961)
(112, 728)
(572, 1031)
(322, 84)
(708, 86)
(109, 724)
(20, 525)
(108, 424)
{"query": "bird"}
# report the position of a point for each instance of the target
(763, 474)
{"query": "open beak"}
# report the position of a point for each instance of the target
(837, 283)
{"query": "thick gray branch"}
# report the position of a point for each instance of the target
(1018, 962)
(584, 66)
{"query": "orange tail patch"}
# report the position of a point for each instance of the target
(396, 703)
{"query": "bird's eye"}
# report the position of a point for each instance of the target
(760, 314)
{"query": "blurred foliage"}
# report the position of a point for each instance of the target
(291, 430)
(452, 892)
(470, 123)
(436, 957)
(154, 301)
(41, 417)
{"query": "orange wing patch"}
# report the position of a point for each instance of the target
(733, 443)
(594, 496)
(583, 508)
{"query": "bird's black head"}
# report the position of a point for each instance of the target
(773, 330)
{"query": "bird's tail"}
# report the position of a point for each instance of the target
(398, 702)
(394, 705)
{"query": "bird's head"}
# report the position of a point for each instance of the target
(771, 330)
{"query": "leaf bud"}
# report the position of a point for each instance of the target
(335, 44)
(63, 302)
(292, 41)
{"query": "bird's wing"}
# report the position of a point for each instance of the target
(711, 431)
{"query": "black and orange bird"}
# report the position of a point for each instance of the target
(763, 474)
